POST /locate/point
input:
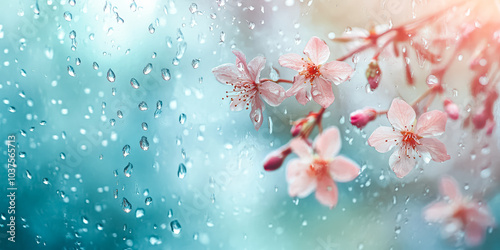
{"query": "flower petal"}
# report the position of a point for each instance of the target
(272, 93)
(237, 104)
(299, 82)
(292, 61)
(401, 163)
(241, 61)
(304, 95)
(343, 169)
(384, 139)
(256, 113)
(322, 92)
(401, 115)
(302, 185)
(327, 144)
(317, 50)
(474, 233)
(227, 73)
(255, 66)
(301, 148)
(326, 191)
(449, 187)
(336, 72)
(432, 123)
(438, 211)
(434, 148)
(295, 168)
(481, 214)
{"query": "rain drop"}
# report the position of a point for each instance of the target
(128, 169)
(144, 143)
(148, 201)
(126, 150)
(95, 65)
(182, 118)
(144, 126)
(195, 63)
(143, 106)
(181, 172)
(67, 16)
(165, 74)
(135, 84)
(147, 69)
(111, 75)
(71, 71)
(176, 227)
(139, 213)
(127, 207)
(151, 29)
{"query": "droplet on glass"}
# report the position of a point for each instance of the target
(144, 143)
(134, 83)
(139, 213)
(126, 206)
(127, 170)
(151, 29)
(182, 118)
(147, 69)
(195, 63)
(175, 227)
(111, 75)
(67, 16)
(143, 106)
(71, 71)
(165, 74)
(148, 201)
(144, 126)
(95, 65)
(126, 150)
(181, 172)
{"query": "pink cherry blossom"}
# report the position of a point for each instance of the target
(318, 167)
(459, 214)
(411, 136)
(247, 88)
(315, 76)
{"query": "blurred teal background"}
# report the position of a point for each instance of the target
(72, 123)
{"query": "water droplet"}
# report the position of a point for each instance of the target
(126, 206)
(147, 69)
(71, 71)
(148, 201)
(62, 155)
(195, 63)
(182, 118)
(12, 109)
(67, 16)
(165, 74)
(432, 80)
(144, 143)
(135, 84)
(95, 65)
(175, 227)
(143, 106)
(144, 126)
(193, 8)
(28, 174)
(111, 75)
(139, 213)
(72, 2)
(157, 113)
(85, 220)
(128, 169)
(181, 48)
(45, 181)
(159, 104)
(181, 172)
(126, 150)
(72, 34)
(154, 240)
(151, 29)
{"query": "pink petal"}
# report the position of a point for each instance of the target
(327, 144)
(401, 115)
(302, 185)
(384, 139)
(242, 61)
(326, 191)
(227, 73)
(301, 148)
(255, 66)
(343, 169)
(401, 163)
(272, 93)
(295, 168)
(317, 50)
(292, 61)
(304, 95)
(336, 72)
(449, 187)
(322, 92)
(438, 212)
(299, 82)
(256, 113)
(432, 123)
(237, 104)
(434, 148)
(474, 234)
(481, 214)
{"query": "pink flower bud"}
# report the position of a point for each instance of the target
(296, 128)
(304, 125)
(479, 120)
(360, 118)
(451, 109)
(275, 159)
(373, 74)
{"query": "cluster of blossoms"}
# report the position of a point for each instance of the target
(413, 129)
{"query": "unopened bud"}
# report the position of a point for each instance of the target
(451, 109)
(373, 74)
(275, 159)
(296, 129)
(360, 118)
(305, 125)
(479, 120)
